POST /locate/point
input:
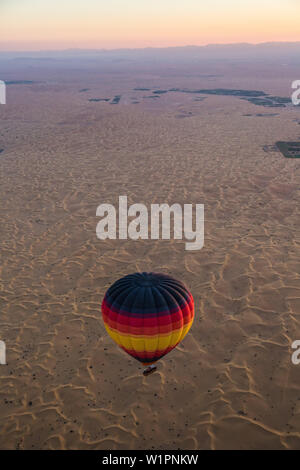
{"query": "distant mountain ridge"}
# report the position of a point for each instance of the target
(215, 51)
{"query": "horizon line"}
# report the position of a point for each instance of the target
(152, 47)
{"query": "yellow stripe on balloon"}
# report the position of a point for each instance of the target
(140, 343)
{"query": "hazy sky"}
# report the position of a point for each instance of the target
(59, 24)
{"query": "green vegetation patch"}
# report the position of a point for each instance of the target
(289, 149)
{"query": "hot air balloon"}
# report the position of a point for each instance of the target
(147, 315)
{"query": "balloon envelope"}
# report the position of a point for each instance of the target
(147, 314)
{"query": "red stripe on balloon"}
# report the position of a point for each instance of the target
(146, 330)
(148, 356)
(111, 315)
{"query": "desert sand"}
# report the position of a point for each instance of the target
(231, 383)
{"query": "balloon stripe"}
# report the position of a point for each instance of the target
(151, 314)
(146, 330)
(150, 357)
(112, 318)
(148, 341)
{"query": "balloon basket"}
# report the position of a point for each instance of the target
(149, 370)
